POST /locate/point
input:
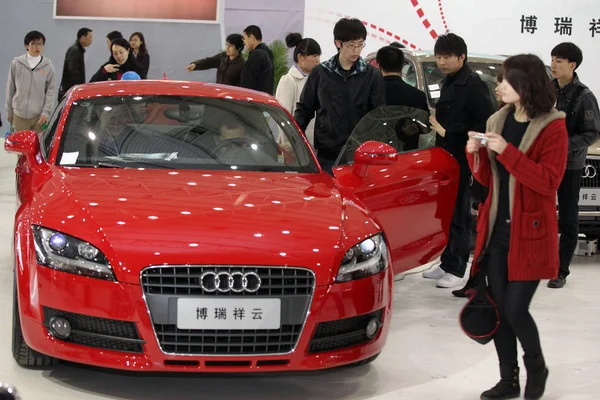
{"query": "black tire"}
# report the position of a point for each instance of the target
(24, 355)
(365, 361)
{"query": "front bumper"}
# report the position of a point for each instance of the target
(125, 303)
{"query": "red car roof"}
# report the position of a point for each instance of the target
(166, 87)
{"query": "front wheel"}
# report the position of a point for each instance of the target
(24, 355)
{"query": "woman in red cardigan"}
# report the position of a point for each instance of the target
(522, 163)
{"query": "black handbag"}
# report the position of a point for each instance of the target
(480, 318)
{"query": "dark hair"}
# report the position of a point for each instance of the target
(114, 35)
(500, 77)
(526, 73)
(34, 35)
(120, 42)
(397, 45)
(143, 49)
(255, 31)
(347, 29)
(83, 32)
(305, 47)
(237, 40)
(568, 51)
(390, 59)
(450, 45)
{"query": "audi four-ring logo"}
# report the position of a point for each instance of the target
(224, 282)
(589, 172)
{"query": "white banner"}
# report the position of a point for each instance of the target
(488, 27)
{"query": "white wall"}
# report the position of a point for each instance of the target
(489, 27)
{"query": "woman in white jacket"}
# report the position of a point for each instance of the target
(307, 55)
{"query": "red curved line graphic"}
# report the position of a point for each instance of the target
(443, 16)
(424, 20)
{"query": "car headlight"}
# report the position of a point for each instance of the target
(367, 258)
(65, 253)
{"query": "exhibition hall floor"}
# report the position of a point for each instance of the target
(427, 355)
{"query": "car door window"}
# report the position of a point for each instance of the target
(47, 136)
(409, 73)
(406, 129)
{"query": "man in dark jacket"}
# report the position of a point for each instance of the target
(341, 91)
(397, 92)
(259, 72)
(229, 64)
(465, 104)
(583, 125)
(74, 66)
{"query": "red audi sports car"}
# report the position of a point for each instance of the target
(179, 226)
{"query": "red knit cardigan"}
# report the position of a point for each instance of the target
(536, 170)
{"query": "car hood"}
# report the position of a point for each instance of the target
(139, 218)
(594, 150)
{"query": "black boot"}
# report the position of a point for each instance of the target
(463, 292)
(537, 375)
(508, 387)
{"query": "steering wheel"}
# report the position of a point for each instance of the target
(240, 142)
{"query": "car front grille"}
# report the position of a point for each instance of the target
(185, 281)
(333, 335)
(96, 332)
(594, 180)
(227, 342)
(163, 286)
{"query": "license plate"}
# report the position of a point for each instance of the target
(230, 313)
(589, 197)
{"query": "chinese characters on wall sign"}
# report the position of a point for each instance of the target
(562, 25)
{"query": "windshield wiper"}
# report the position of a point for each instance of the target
(94, 165)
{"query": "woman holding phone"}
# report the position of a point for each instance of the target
(121, 61)
(522, 161)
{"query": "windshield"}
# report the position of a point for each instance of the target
(404, 128)
(433, 78)
(178, 132)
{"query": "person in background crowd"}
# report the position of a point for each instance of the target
(259, 72)
(31, 86)
(480, 192)
(397, 45)
(121, 61)
(464, 105)
(140, 52)
(74, 66)
(112, 36)
(397, 92)
(307, 55)
(229, 63)
(341, 90)
(583, 125)
(517, 245)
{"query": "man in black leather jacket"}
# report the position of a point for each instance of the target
(465, 104)
(340, 91)
(583, 125)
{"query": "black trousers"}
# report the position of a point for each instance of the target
(456, 254)
(568, 218)
(513, 300)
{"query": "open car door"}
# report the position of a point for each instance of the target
(408, 185)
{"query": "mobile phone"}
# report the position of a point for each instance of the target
(481, 137)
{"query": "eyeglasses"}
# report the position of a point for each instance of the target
(355, 46)
(36, 44)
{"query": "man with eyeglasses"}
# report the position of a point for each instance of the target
(31, 87)
(341, 91)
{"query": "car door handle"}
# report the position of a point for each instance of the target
(444, 179)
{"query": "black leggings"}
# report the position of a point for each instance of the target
(512, 299)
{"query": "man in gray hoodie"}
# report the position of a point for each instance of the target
(31, 87)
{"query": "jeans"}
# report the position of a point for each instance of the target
(513, 300)
(568, 218)
(456, 254)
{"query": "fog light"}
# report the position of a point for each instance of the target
(372, 328)
(60, 328)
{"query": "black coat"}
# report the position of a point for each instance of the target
(259, 72)
(340, 101)
(229, 72)
(144, 62)
(400, 93)
(465, 104)
(73, 69)
(130, 65)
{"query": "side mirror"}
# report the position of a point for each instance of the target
(26, 143)
(375, 153)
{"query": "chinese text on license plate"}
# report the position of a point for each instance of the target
(589, 197)
(228, 313)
